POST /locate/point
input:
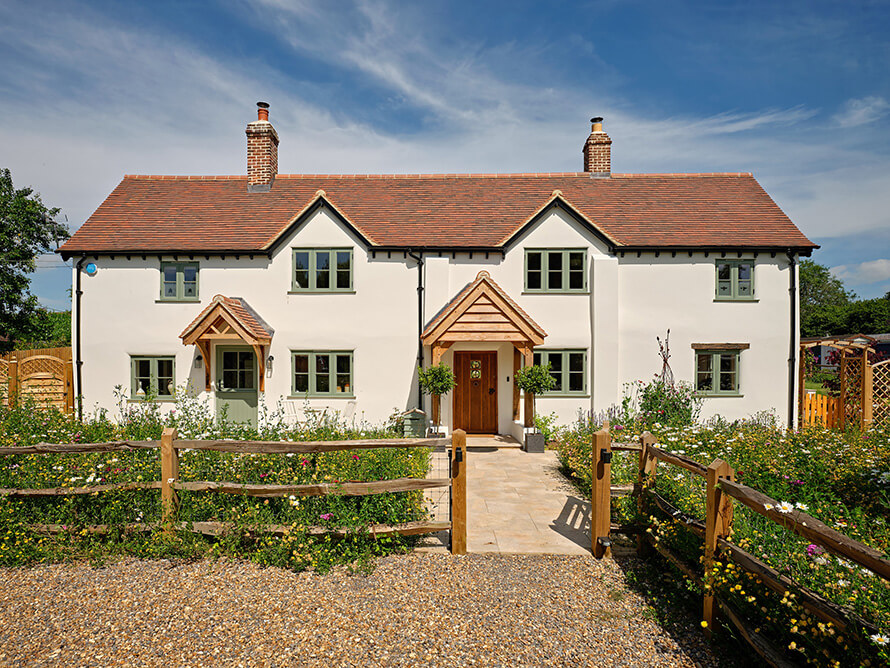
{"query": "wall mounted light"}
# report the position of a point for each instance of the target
(199, 361)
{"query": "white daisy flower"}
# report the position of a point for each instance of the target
(880, 639)
(768, 506)
(801, 506)
(785, 507)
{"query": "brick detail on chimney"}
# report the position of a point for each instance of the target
(598, 151)
(262, 156)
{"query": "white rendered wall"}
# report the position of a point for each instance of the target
(630, 301)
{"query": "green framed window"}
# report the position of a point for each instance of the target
(717, 372)
(735, 280)
(322, 270)
(568, 368)
(322, 373)
(555, 270)
(152, 377)
(179, 281)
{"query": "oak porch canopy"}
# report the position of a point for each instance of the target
(482, 312)
(229, 319)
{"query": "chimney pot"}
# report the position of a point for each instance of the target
(262, 112)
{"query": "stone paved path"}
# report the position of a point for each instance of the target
(519, 503)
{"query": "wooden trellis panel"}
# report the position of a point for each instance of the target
(881, 393)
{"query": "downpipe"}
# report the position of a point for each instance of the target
(793, 348)
(419, 260)
(78, 359)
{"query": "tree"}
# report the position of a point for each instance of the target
(534, 380)
(823, 300)
(27, 228)
(436, 381)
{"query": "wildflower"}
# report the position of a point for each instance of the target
(880, 639)
(326, 516)
(801, 506)
(814, 550)
(785, 507)
(292, 500)
(768, 506)
(170, 481)
(704, 624)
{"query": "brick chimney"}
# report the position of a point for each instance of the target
(598, 149)
(262, 152)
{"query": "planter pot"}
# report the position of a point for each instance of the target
(534, 442)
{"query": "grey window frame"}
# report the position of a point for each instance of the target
(332, 270)
(180, 282)
(543, 355)
(715, 373)
(734, 295)
(545, 273)
(153, 377)
(332, 373)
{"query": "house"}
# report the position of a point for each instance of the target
(330, 290)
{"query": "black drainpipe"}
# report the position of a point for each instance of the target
(419, 260)
(792, 345)
(78, 362)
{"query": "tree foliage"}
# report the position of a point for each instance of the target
(27, 228)
(829, 309)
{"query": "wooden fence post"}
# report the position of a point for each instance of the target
(645, 479)
(12, 387)
(842, 413)
(459, 492)
(69, 386)
(169, 473)
(718, 524)
(867, 395)
(601, 494)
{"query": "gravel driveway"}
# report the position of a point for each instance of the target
(412, 610)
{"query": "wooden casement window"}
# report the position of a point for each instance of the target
(717, 372)
(321, 373)
(556, 270)
(568, 368)
(152, 377)
(322, 270)
(179, 281)
(735, 280)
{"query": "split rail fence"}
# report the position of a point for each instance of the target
(170, 483)
(721, 490)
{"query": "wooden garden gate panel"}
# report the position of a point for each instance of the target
(44, 376)
(881, 393)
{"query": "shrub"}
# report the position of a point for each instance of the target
(673, 404)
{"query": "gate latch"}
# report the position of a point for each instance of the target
(606, 456)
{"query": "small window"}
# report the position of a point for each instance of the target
(179, 281)
(152, 377)
(322, 373)
(568, 368)
(555, 270)
(717, 372)
(322, 270)
(735, 279)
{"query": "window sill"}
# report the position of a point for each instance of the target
(716, 395)
(740, 299)
(321, 292)
(555, 292)
(177, 301)
(164, 400)
(562, 395)
(294, 397)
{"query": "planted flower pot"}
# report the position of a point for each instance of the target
(534, 442)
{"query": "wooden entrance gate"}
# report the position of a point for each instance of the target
(44, 376)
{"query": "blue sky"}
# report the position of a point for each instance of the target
(796, 92)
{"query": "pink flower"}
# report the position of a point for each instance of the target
(305, 462)
(355, 456)
(326, 516)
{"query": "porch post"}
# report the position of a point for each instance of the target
(517, 362)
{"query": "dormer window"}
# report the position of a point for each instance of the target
(322, 270)
(179, 281)
(555, 270)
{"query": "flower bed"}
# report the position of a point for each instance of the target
(842, 479)
(24, 426)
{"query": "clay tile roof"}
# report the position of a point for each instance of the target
(218, 214)
(241, 311)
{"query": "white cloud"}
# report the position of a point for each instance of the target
(864, 273)
(862, 111)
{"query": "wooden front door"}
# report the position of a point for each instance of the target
(475, 408)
